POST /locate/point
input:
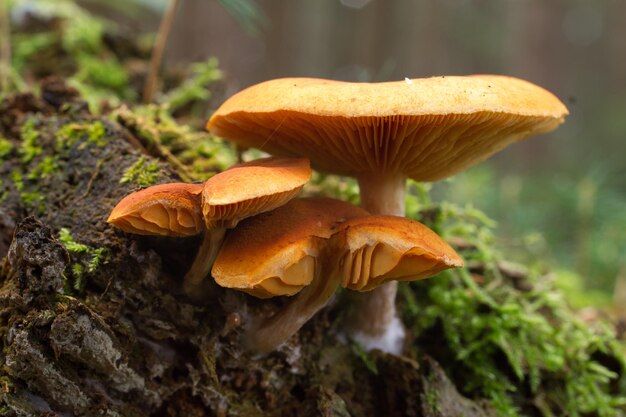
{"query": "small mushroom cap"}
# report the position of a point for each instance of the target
(252, 188)
(425, 129)
(277, 253)
(383, 248)
(166, 209)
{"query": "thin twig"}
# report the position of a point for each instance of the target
(5, 46)
(158, 50)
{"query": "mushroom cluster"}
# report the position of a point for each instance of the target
(380, 133)
(220, 203)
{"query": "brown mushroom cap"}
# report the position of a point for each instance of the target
(251, 188)
(276, 253)
(166, 209)
(382, 248)
(425, 129)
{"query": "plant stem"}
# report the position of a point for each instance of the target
(5, 47)
(158, 51)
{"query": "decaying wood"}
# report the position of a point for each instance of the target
(126, 341)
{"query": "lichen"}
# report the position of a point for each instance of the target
(141, 172)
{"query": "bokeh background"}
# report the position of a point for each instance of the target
(560, 197)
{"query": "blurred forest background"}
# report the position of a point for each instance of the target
(560, 198)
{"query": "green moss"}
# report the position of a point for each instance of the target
(46, 167)
(195, 88)
(102, 79)
(85, 260)
(99, 256)
(25, 46)
(34, 200)
(431, 397)
(89, 133)
(141, 172)
(30, 197)
(82, 32)
(369, 363)
(573, 286)
(544, 345)
(344, 188)
(70, 244)
(194, 155)
(17, 179)
(5, 148)
(499, 341)
(29, 136)
(107, 73)
(78, 272)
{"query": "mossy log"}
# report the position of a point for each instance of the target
(94, 321)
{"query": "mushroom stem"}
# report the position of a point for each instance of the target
(383, 194)
(374, 321)
(267, 334)
(210, 247)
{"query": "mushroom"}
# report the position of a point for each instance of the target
(181, 210)
(242, 191)
(377, 249)
(382, 133)
(284, 252)
(166, 209)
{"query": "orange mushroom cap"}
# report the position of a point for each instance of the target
(252, 188)
(278, 252)
(377, 249)
(165, 209)
(425, 129)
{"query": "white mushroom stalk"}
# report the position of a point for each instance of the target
(374, 321)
